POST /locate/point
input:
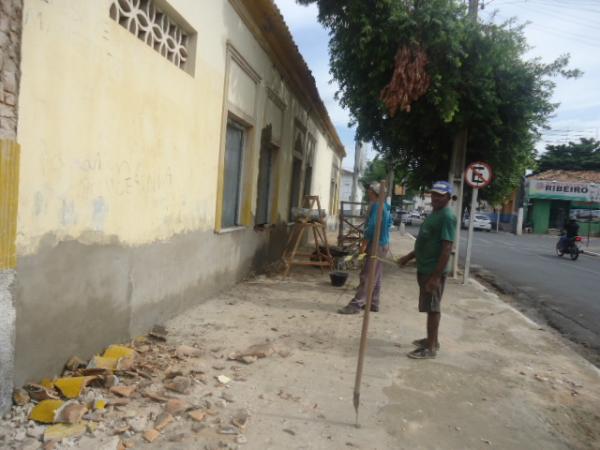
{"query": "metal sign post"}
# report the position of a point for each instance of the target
(477, 175)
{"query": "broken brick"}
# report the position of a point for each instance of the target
(123, 391)
(179, 384)
(162, 421)
(39, 393)
(20, 397)
(70, 412)
(151, 435)
(197, 415)
(187, 351)
(176, 406)
(158, 332)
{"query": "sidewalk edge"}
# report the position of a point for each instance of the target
(494, 296)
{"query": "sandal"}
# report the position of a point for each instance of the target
(373, 308)
(422, 343)
(422, 353)
(349, 309)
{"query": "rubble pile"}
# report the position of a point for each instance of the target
(131, 395)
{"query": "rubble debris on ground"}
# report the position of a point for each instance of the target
(133, 394)
(256, 352)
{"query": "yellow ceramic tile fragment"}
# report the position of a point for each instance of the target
(62, 431)
(45, 410)
(102, 362)
(47, 383)
(71, 387)
(100, 404)
(119, 351)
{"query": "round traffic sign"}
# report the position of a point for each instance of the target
(478, 175)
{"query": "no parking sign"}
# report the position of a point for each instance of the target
(478, 174)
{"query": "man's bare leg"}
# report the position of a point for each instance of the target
(433, 325)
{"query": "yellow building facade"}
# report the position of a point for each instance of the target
(163, 145)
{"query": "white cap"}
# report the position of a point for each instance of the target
(375, 187)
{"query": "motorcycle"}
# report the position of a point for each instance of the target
(569, 246)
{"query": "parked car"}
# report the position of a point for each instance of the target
(480, 222)
(414, 218)
(399, 216)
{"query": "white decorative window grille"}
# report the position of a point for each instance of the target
(151, 25)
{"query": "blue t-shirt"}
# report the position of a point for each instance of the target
(386, 222)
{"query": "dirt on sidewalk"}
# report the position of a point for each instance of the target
(499, 381)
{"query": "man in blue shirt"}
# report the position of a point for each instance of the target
(360, 298)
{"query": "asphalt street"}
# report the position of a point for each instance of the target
(566, 292)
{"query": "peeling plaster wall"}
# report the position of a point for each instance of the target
(10, 42)
(120, 171)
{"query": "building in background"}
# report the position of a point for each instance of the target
(163, 145)
(346, 187)
(421, 203)
(554, 196)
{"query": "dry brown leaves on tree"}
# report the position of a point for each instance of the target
(410, 80)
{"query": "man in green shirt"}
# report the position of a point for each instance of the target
(432, 251)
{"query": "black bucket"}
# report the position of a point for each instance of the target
(338, 278)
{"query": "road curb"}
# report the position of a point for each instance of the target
(495, 296)
(587, 252)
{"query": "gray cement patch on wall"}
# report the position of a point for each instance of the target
(75, 299)
(170, 277)
(71, 299)
(7, 338)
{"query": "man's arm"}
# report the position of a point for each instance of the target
(436, 276)
(406, 258)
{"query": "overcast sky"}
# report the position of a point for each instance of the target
(556, 27)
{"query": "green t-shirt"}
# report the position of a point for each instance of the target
(438, 226)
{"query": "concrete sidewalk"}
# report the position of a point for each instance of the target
(499, 380)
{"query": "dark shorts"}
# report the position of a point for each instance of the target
(430, 301)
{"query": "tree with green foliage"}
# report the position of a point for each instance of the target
(378, 169)
(582, 155)
(478, 79)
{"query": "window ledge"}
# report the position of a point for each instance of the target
(230, 229)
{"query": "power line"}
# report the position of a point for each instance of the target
(566, 34)
(581, 39)
(560, 15)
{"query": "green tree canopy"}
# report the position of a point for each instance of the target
(378, 169)
(582, 155)
(479, 81)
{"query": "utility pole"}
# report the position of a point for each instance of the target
(391, 184)
(390, 179)
(473, 9)
(357, 172)
(457, 166)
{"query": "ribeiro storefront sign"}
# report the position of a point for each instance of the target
(560, 190)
